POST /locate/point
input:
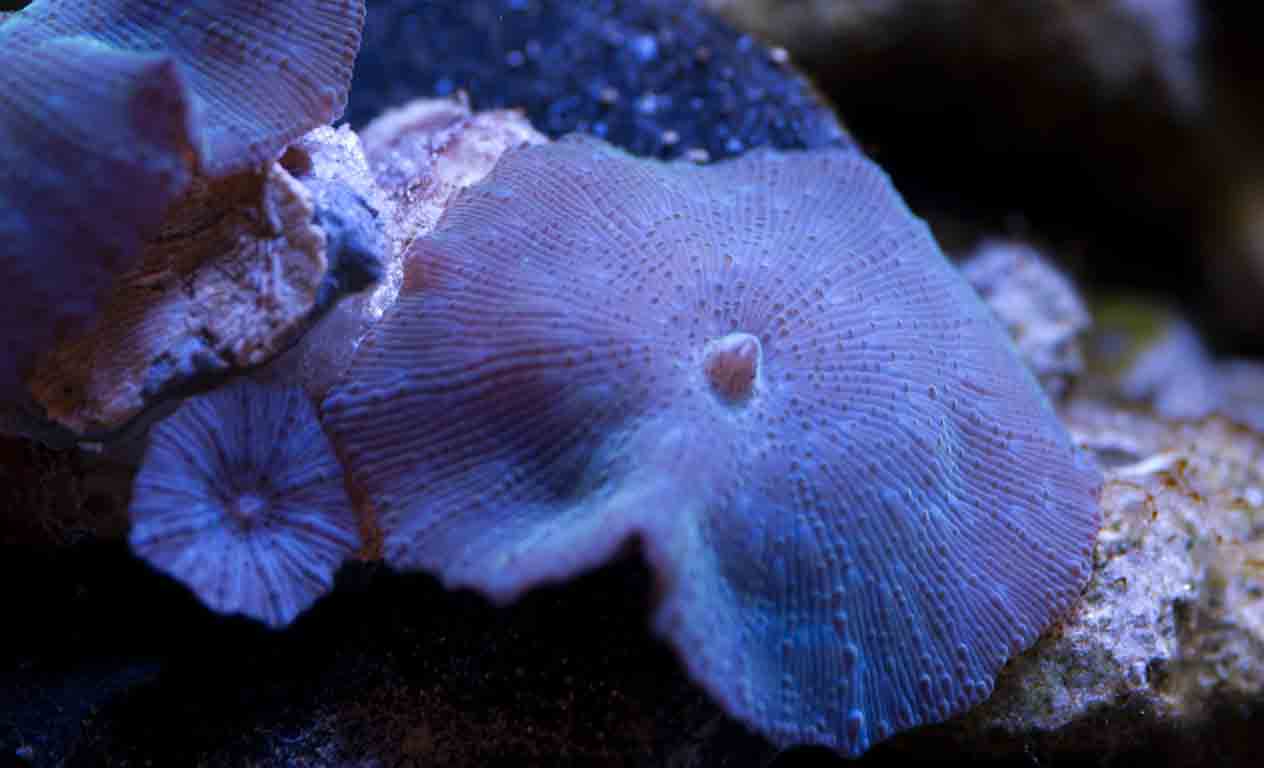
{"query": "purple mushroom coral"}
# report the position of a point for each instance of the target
(241, 498)
(856, 500)
(107, 110)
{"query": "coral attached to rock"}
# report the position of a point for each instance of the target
(856, 500)
(1170, 630)
(409, 163)
(242, 268)
(109, 109)
(227, 284)
(241, 498)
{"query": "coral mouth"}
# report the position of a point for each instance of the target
(731, 365)
(249, 510)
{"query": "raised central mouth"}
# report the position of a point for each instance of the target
(731, 364)
(249, 509)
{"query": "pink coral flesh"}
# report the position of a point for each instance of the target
(857, 502)
(731, 364)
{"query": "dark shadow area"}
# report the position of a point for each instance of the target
(1121, 184)
(117, 666)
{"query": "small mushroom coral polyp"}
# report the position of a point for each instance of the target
(856, 500)
(241, 498)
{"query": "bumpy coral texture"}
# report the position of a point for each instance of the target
(241, 498)
(108, 108)
(856, 500)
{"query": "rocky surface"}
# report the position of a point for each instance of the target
(425, 151)
(416, 158)
(1170, 631)
(241, 268)
(1150, 353)
(656, 77)
(1037, 304)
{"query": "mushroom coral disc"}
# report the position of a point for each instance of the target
(80, 183)
(856, 500)
(258, 73)
(241, 498)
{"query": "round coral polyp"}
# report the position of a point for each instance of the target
(858, 501)
(241, 499)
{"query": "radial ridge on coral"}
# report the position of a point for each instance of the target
(856, 501)
(258, 73)
(241, 498)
